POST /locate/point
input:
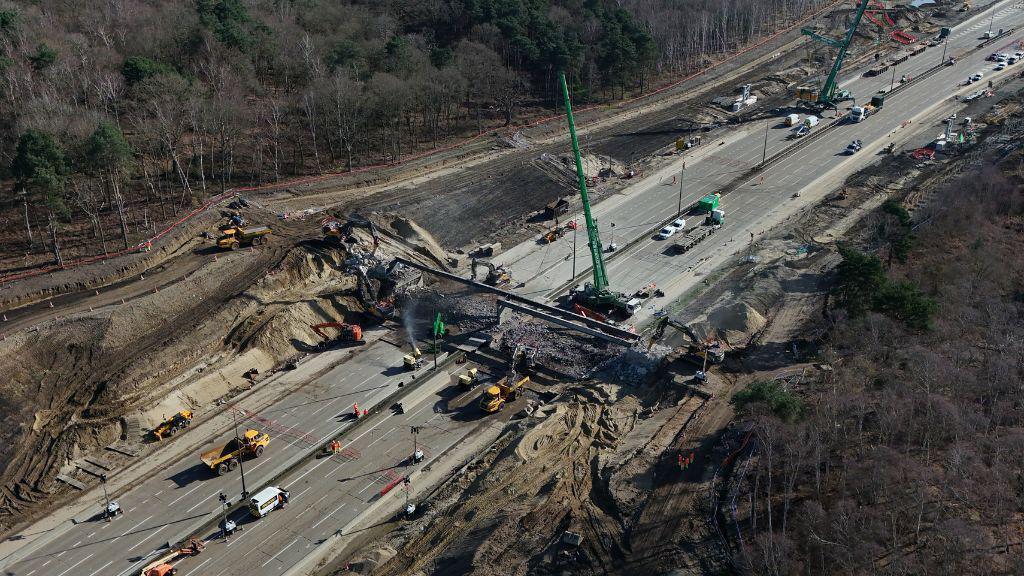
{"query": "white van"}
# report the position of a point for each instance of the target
(811, 121)
(266, 500)
(792, 120)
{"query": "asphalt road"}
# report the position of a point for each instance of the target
(651, 201)
(186, 493)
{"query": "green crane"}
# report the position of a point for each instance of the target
(830, 94)
(597, 293)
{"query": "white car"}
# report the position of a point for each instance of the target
(678, 224)
(977, 77)
(666, 232)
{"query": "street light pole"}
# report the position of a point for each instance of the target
(241, 468)
(764, 153)
(224, 514)
(106, 498)
(574, 251)
(992, 20)
(944, 45)
(679, 210)
(893, 82)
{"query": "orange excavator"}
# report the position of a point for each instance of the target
(347, 333)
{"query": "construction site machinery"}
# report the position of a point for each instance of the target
(596, 294)
(559, 231)
(225, 457)
(347, 333)
(830, 95)
(172, 425)
(468, 380)
(706, 350)
(496, 275)
(235, 238)
(412, 361)
(337, 233)
(164, 565)
(495, 397)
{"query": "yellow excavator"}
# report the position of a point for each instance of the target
(508, 388)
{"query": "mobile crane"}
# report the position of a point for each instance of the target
(830, 94)
(594, 294)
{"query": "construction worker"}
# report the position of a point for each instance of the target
(355, 409)
(335, 446)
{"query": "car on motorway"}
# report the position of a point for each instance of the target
(666, 233)
(999, 67)
(976, 78)
(854, 147)
(1012, 60)
(678, 224)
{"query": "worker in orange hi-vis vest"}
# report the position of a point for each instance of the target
(355, 408)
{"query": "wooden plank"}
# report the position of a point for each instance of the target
(124, 449)
(71, 482)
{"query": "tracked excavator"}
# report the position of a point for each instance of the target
(496, 275)
(336, 232)
(702, 352)
(347, 334)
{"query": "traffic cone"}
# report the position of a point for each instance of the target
(365, 412)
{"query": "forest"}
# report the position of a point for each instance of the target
(906, 458)
(116, 115)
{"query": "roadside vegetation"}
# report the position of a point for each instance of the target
(906, 458)
(197, 97)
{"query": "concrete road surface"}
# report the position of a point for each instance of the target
(758, 203)
(167, 506)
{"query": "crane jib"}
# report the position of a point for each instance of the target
(594, 237)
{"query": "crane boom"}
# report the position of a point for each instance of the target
(593, 237)
(828, 91)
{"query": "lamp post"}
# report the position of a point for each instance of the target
(944, 45)
(893, 81)
(241, 467)
(764, 153)
(679, 209)
(106, 498)
(224, 514)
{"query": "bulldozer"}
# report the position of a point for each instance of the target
(496, 275)
(347, 334)
(170, 426)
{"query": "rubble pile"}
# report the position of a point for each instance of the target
(565, 351)
(463, 309)
(632, 367)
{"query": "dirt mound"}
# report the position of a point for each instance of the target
(737, 316)
(565, 351)
(411, 233)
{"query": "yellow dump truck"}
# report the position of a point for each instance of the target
(468, 380)
(494, 397)
(238, 236)
(172, 425)
(225, 457)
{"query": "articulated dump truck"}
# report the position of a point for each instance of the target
(225, 457)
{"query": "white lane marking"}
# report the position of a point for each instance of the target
(328, 515)
(381, 437)
(31, 573)
(98, 571)
(368, 486)
(72, 567)
(173, 502)
(47, 562)
(134, 527)
(158, 493)
(196, 569)
(155, 532)
(303, 492)
(200, 503)
(274, 557)
(90, 535)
